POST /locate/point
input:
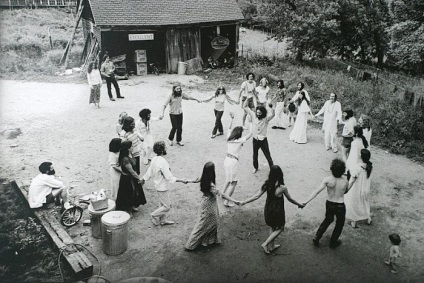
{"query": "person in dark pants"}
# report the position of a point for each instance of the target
(220, 97)
(337, 187)
(107, 70)
(176, 113)
(260, 121)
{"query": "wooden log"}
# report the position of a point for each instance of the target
(78, 261)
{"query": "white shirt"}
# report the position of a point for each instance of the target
(41, 186)
(94, 78)
(159, 170)
(348, 127)
(262, 94)
(234, 146)
(248, 88)
(332, 114)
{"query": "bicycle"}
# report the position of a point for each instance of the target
(153, 69)
(73, 210)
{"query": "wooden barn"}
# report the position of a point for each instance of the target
(166, 31)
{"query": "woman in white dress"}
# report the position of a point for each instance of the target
(262, 92)
(114, 167)
(298, 134)
(364, 122)
(347, 133)
(234, 142)
(359, 142)
(281, 111)
(143, 128)
(357, 198)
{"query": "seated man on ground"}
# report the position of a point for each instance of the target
(45, 188)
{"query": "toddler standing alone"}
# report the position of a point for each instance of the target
(394, 252)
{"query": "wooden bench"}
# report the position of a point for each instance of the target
(78, 261)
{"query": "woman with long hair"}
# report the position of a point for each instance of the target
(348, 132)
(359, 142)
(176, 113)
(207, 229)
(143, 128)
(262, 91)
(364, 122)
(95, 82)
(234, 143)
(220, 97)
(115, 168)
(298, 134)
(275, 216)
(130, 192)
(129, 133)
(357, 199)
(281, 111)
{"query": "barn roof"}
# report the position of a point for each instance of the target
(163, 12)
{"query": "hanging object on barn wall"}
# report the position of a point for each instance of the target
(219, 44)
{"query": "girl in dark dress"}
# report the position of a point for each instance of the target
(130, 192)
(274, 207)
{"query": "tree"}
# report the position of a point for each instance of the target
(407, 35)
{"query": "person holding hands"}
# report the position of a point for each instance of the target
(274, 212)
(336, 187)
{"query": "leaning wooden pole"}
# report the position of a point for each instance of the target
(65, 56)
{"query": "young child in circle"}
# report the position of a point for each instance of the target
(121, 119)
(394, 252)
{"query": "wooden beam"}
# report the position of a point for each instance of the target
(80, 264)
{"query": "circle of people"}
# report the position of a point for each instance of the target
(346, 197)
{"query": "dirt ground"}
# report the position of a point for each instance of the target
(59, 125)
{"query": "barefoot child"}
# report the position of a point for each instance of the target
(394, 252)
(121, 119)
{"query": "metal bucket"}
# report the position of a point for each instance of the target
(115, 232)
(95, 217)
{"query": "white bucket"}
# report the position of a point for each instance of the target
(182, 68)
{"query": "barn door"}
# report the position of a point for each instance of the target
(181, 45)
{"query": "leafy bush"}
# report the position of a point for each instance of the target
(26, 253)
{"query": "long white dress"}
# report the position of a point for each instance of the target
(355, 153)
(357, 199)
(114, 175)
(231, 163)
(298, 134)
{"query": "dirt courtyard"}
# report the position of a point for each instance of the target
(57, 124)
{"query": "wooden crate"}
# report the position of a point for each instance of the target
(140, 56)
(141, 69)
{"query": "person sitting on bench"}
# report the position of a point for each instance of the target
(45, 188)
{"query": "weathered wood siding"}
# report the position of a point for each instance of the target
(182, 44)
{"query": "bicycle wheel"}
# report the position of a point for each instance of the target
(71, 216)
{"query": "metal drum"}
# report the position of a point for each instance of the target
(95, 217)
(115, 232)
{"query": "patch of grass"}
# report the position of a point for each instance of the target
(26, 252)
(25, 48)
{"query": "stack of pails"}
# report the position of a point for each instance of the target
(115, 232)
